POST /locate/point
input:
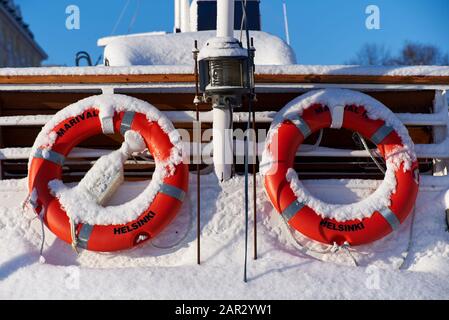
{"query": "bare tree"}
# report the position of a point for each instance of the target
(372, 55)
(410, 54)
(420, 54)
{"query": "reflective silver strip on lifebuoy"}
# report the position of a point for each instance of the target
(32, 198)
(84, 235)
(416, 176)
(381, 134)
(292, 209)
(107, 125)
(34, 204)
(173, 192)
(391, 218)
(301, 125)
(50, 155)
(127, 121)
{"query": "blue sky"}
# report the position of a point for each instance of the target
(321, 31)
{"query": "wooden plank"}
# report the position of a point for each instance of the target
(27, 103)
(95, 79)
(416, 101)
(40, 100)
(189, 78)
(37, 102)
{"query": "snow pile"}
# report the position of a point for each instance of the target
(95, 71)
(176, 49)
(85, 207)
(102, 42)
(348, 70)
(133, 143)
(281, 272)
(84, 203)
(276, 67)
(335, 98)
(82, 207)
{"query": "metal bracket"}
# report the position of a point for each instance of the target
(447, 220)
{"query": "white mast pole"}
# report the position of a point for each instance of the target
(177, 26)
(222, 124)
(287, 33)
(223, 144)
(225, 18)
(185, 15)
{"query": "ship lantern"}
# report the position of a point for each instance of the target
(223, 68)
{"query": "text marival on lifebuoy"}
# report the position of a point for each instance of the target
(74, 121)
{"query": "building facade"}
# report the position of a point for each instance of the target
(17, 45)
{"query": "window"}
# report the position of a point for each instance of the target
(207, 13)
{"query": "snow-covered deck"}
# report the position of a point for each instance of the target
(281, 272)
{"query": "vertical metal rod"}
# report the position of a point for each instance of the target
(249, 69)
(198, 192)
(245, 278)
(255, 152)
(255, 183)
(198, 162)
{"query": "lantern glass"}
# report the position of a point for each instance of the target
(226, 73)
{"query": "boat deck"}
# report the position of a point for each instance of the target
(28, 97)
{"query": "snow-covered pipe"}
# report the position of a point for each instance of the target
(185, 15)
(225, 18)
(222, 143)
(177, 27)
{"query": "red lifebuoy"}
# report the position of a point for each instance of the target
(291, 134)
(105, 238)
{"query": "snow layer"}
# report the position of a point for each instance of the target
(85, 202)
(94, 71)
(260, 69)
(106, 40)
(335, 98)
(344, 70)
(79, 205)
(176, 49)
(281, 272)
(219, 47)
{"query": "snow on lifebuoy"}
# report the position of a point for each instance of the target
(76, 214)
(357, 223)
